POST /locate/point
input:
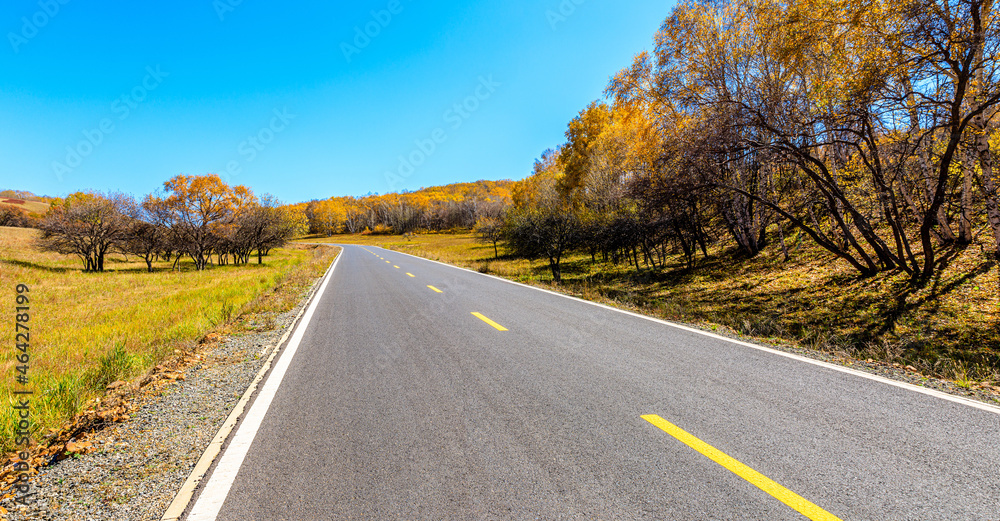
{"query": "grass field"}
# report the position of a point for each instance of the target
(949, 328)
(90, 329)
(30, 206)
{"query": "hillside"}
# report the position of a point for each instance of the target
(26, 201)
(437, 208)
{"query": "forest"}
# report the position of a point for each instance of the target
(866, 127)
(441, 208)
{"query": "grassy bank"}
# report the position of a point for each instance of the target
(948, 328)
(90, 329)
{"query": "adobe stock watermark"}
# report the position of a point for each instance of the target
(455, 117)
(224, 7)
(254, 144)
(121, 109)
(561, 13)
(31, 26)
(363, 35)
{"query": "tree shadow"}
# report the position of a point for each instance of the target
(937, 287)
(35, 266)
(840, 309)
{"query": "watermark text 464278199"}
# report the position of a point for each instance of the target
(22, 394)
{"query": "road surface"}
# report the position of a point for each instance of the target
(422, 391)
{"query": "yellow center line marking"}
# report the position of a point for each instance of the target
(412, 275)
(435, 289)
(488, 321)
(387, 262)
(755, 478)
(394, 266)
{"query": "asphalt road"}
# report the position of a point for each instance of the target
(399, 403)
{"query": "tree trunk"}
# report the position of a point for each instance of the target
(781, 237)
(990, 187)
(943, 233)
(985, 154)
(965, 220)
(929, 218)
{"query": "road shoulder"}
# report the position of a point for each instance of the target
(137, 466)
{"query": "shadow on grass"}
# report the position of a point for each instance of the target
(837, 311)
(902, 291)
(35, 266)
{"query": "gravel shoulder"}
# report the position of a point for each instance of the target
(139, 465)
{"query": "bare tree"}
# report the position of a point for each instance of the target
(14, 217)
(489, 230)
(87, 225)
(147, 235)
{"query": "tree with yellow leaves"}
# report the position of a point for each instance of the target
(199, 208)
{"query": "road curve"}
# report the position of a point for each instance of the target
(423, 391)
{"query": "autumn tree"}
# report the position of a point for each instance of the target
(542, 223)
(328, 216)
(146, 235)
(489, 230)
(198, 209)
(14, 217)
(577, 156)
(88, 225)
(952, 51)
(267, 225)
(454, 206)
(546, 231)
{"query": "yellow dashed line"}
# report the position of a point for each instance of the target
(488, 321)
(755, 478)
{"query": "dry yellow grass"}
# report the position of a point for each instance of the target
(88, 329)
(36, 207)
(950, 327)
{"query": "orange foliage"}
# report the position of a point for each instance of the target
(457, 205)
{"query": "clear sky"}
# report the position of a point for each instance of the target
(286, 96)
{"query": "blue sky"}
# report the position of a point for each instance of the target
(287, 98)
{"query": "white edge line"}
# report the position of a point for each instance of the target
(902, 385)
(186, 493)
